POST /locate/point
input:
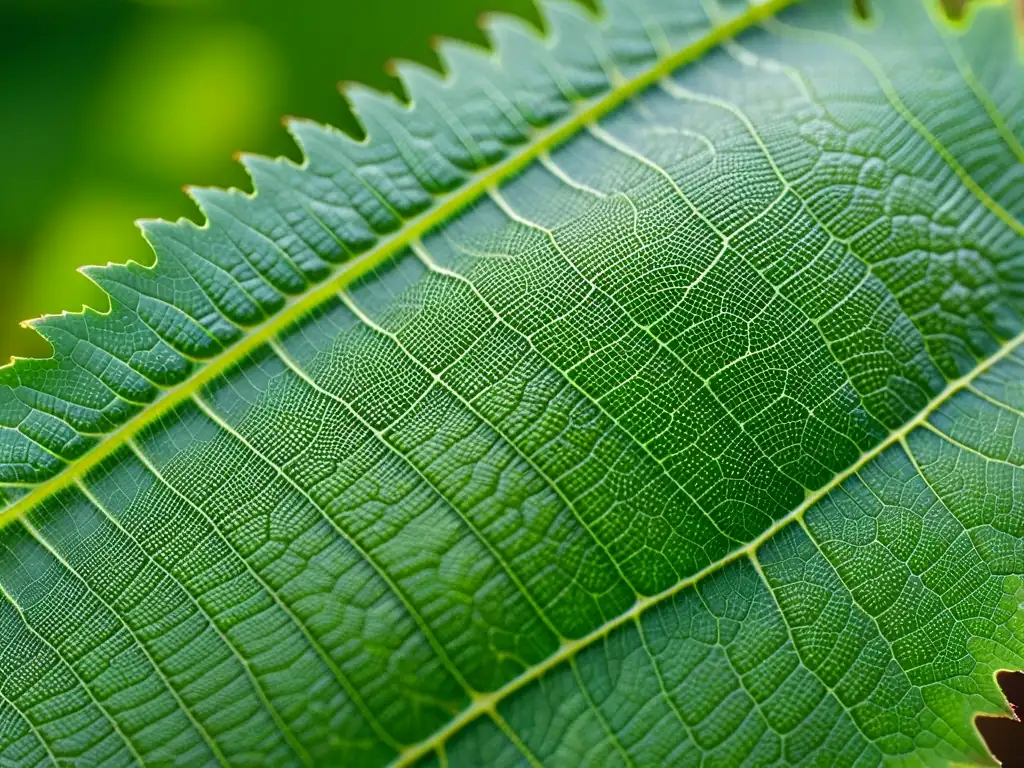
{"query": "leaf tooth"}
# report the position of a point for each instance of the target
(415, 77)
(505, 30)
(366, 103)
(197, 195)
(209, 198)
(43, 325)
(64, 333)
(306, 133)
(47, 326)
(555, 12)
(458, 56)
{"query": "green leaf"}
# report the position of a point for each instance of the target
(648, 392)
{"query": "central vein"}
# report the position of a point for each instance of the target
(485, 703)
(447, 207)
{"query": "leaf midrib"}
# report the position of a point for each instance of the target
(484, 703)
(448, 206)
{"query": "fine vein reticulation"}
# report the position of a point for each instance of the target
(650, 392)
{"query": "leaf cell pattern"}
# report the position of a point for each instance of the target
(696, 440)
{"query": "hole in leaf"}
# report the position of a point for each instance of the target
(1004, 736)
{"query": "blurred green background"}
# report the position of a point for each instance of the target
(108, 107)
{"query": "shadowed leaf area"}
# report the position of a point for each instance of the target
(647, 392)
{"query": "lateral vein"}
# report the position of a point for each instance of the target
(488, 702)
(448, 206)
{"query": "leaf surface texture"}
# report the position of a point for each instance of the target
(647, 393)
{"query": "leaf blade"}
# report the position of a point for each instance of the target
(635, 439)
